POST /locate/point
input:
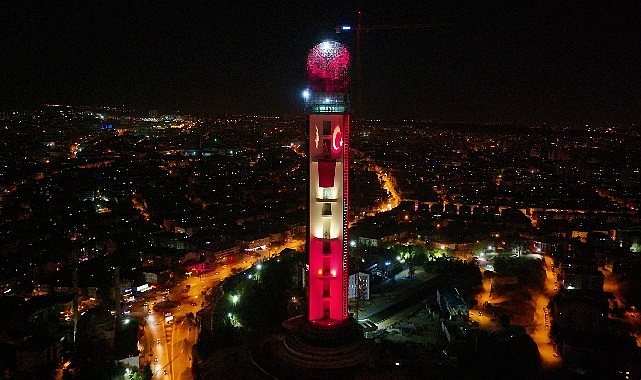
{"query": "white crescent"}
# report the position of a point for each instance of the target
(337, 130)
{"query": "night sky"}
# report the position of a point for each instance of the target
(522, 62)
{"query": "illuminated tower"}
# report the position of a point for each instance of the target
(328, 342)
(327, 103)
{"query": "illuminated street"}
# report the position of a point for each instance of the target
(478, 314)
(386, 180)
(542, 318)
(167, 342)
(539, 330)
(389, 184)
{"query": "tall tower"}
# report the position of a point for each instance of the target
(327, 104)
(327, 340)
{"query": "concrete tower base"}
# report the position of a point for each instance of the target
(311, 351)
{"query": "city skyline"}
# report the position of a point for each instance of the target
(170, 199)
(144, 246)
(561, 64)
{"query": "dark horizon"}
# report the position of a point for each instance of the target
(561, 64)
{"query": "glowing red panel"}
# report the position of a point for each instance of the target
(326, 170)
(321, 294)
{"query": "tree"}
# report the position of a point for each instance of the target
(414, 256)
(519, 246)
(516, 243)
(145, 372)
(478, 247)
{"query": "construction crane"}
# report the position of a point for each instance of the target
(360, 29)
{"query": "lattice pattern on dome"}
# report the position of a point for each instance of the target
(328, 60)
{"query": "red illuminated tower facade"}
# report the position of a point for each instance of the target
(327, 104)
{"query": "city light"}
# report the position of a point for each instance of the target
(216, 197)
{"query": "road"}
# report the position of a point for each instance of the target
(167, 344)
(539, 330)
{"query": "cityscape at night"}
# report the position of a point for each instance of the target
(321, 190)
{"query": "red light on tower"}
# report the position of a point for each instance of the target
(328, 106)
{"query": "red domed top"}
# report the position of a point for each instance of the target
(327, 60)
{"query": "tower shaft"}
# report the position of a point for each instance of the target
(327, 104)
(328, 216)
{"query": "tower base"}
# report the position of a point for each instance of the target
(313, 351)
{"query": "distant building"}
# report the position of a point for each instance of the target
(629, 238)
(223, 256)
(367, 242)
(172, 240)
(579, 310)
(582, 279)
(96, 331)
(39, 311)
(629, 264)
(451, 302)
(38, 353)
(359, 286)
(154, 275)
